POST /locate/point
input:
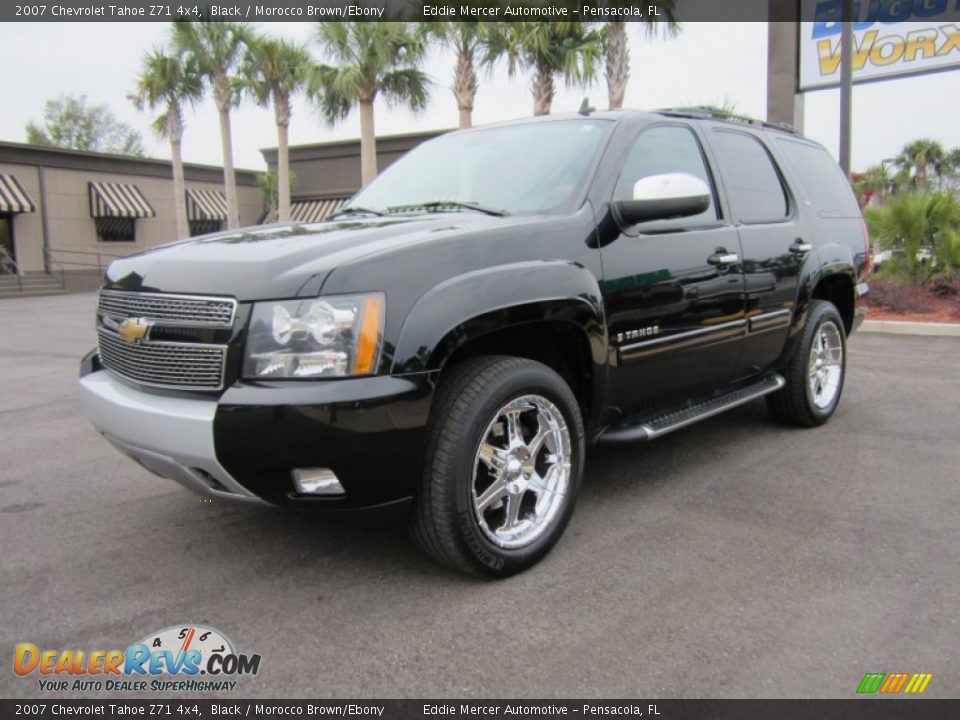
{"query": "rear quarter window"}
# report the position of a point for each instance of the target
(820, 178)
(753, 182)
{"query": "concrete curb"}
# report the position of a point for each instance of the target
(899, 327)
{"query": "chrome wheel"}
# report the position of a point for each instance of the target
(521, 471)
(825, 368)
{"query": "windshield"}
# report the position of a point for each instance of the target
(518, 169)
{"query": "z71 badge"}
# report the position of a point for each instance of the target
(638, 334)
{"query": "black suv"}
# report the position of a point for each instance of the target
(496, 301)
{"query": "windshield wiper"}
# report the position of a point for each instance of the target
(440, 204)
(354, 211)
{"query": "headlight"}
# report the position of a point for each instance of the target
(334, 336)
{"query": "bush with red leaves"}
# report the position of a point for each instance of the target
(896, 298)
(944, 288)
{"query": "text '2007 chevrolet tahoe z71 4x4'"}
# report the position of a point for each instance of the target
(473, 319)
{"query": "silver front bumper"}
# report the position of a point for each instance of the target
(170, 436)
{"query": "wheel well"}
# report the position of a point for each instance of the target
(561, 346)
(837, 289)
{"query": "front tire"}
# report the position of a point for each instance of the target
(815, 370)
(503, 466)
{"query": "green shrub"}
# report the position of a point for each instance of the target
(917, 221)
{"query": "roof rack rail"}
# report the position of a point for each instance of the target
(705, 112)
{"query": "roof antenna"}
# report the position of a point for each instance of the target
(585, 108)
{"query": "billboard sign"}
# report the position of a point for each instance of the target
(890, 38)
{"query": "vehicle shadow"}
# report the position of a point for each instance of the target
(319, 546)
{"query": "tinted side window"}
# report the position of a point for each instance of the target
(752, 179)
(821, 178)
(665, 149)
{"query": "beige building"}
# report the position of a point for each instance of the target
(64, 215)
(75, 211)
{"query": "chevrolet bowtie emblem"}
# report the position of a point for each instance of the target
(134, 330)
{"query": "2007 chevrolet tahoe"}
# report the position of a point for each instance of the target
(469, 323)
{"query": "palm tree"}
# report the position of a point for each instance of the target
(273, 71)
(920, 157)
(469, 41)
(569, 50)
(169, 81)
(373, 59)
(216, 48)
(616, 49)
(875, 180)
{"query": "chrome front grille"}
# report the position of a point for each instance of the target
(169, 309)
(163, 363)
(176, 365)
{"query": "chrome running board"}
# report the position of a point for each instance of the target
(653, 427)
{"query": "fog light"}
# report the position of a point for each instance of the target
(317, 481)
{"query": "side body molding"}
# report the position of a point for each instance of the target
(467, 306)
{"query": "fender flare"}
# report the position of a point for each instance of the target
(467, 306)
(832, 259)
(835, 259)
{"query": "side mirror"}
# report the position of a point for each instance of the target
(664, 197)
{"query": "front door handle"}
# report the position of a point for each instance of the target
(799, 246)
(721, 258)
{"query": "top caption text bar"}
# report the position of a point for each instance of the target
(476, 10)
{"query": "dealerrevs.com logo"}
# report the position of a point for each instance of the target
(180, 658)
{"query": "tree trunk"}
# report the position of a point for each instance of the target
(618, 64)
(222, 97)
(543, 89)
(465, 86)
(175, 133)
(368, 143)
(282, 109)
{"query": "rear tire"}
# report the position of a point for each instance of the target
(503, 466)
(815, 370)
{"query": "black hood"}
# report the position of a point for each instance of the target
(282, 261)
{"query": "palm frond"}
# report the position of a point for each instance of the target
(215, 47)
(369, 58)
(406, 86)
(273, 68)
(334, 91)
(168, 81)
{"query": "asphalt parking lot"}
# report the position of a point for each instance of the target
(736, 558)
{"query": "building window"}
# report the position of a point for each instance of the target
(202, 227)
(206, 211)
(115, 208)
(8, 253)
(116, 229)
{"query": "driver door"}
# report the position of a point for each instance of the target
(674, 289)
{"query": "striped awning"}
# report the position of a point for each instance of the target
(206, 205)
(13, 198)
(117, 200)
(308, 211)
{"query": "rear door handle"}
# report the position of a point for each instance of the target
(723, 258)
(799, 246)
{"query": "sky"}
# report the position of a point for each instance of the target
(707, 63)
